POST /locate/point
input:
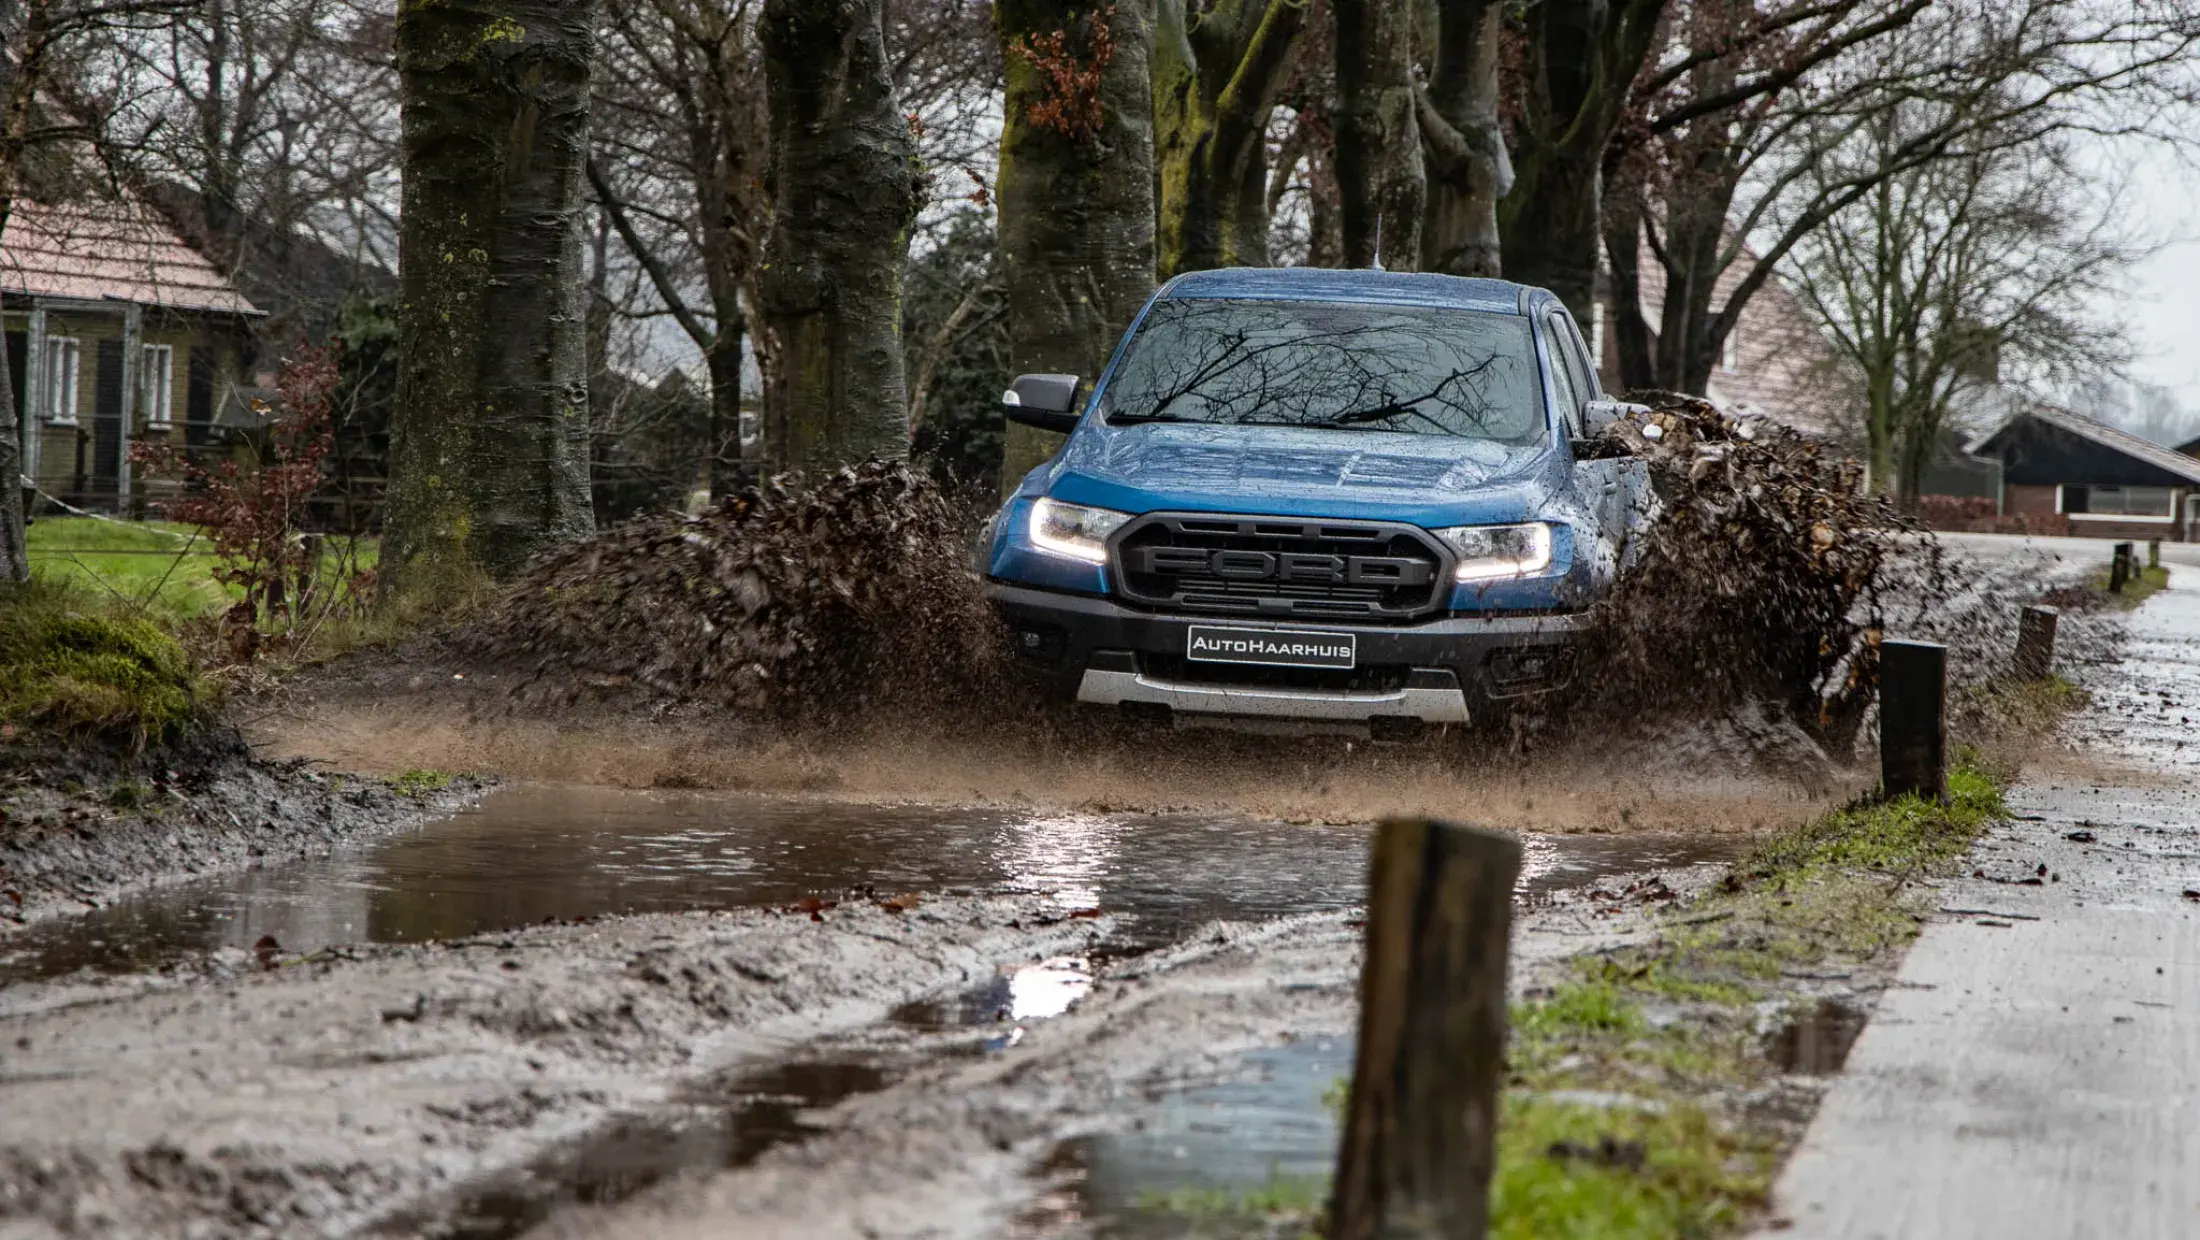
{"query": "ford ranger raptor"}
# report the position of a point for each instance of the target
(1319, 500)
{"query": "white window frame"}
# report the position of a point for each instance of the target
(2130, 518)
(156, 385)
(64, 362)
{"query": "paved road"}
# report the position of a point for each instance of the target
(2035, 1071)
(2098, 550)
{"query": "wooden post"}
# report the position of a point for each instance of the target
(1913, 731)
(2035, 643)
(2154, 553)
(1420, 1137)
(2119, 568)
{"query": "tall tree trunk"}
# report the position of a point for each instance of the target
(844, 186)
(489, 440)
(1378, 159)
(26, 30)
(1582, 57)
(1076, 213)
(725, 475)
(1469, 168)
(1623, 221)
(1216, 76)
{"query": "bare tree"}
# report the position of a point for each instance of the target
(1218, 68)
(1380, 180)
(1469, 169)
(680, 173)
(489, 445)
(845, 188)
(1730, 131)
(1076, 194)
(1947, 276)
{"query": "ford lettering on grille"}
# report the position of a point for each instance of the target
(1288, 566)
(1275, 647)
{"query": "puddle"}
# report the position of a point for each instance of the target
(533, 852)
(1270, 1132)
(722, 1125)
(1817, 1041)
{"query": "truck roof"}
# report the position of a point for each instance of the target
(1404, 288)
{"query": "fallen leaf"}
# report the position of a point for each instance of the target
(1085, 912)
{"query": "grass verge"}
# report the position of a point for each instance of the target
(2144, 582)
(1643, 1095)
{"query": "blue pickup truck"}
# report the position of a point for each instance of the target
(1316, 500)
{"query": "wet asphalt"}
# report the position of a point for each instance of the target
(2032, 1073)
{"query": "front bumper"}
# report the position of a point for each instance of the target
(1450, 670)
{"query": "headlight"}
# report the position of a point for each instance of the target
(1492, 552)
(1073, 530)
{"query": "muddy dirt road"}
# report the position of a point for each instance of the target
(913, 984)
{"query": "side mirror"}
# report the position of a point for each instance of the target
(1048, 402)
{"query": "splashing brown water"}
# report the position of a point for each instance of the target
(1755, 597)
(800, 601)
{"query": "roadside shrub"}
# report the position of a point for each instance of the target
(68, 670)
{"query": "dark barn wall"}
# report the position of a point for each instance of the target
(2037, 453)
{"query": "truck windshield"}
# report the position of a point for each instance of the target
(1331, 364)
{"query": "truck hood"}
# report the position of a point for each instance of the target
(1270, 468)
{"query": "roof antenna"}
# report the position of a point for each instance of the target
(1376, 263)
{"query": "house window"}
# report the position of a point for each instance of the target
(156, 383)
(2100, 501)
(62, 356)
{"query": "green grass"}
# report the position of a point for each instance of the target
(1287, 1206)
(2143, 583)
(74, 664)
(158, 569)
(155, 567)
(420, 783)
(1571, 1171)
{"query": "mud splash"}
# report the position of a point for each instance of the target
(801, 599)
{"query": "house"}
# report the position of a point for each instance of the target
(117, 332)
(2105, 482)
(1776, 363)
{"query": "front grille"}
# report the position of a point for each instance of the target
(1280, 567)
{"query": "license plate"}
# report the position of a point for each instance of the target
(1274, 647)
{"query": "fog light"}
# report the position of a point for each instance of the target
(1042, 643)
(1530, 667)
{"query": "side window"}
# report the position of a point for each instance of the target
(1585, 361)
(1565, 370)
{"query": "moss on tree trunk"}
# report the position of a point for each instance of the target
(1216, 78)
(844, 192)
(489, 439)
(1076, 214)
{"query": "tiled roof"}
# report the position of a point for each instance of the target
(2167, 460)
(108, 251)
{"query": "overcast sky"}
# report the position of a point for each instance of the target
(2165, 305)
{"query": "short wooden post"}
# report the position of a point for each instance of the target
(1420, 1137)
(2154, 553)
(2119, 568)
(2035, 643)
(1913, 730)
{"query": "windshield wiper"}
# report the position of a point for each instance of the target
(1376, 413)
(1126, 419)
